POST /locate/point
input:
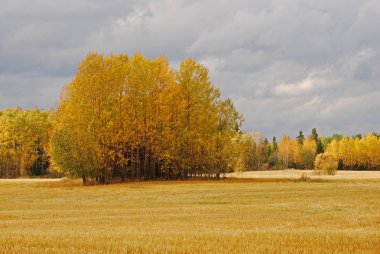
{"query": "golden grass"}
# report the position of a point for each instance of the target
(295, 174)
(228, 216)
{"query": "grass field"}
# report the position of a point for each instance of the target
(296, 174)
(226, 216)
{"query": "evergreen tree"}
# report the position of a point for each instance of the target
(314, 136)
(300, 138)
(274, 144)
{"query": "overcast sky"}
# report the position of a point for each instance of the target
(288, 65)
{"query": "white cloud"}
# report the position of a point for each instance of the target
(212, 63)
(302, 87)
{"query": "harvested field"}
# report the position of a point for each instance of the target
(226, 216)
(296, 174)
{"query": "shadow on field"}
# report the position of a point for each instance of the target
(136, 184)
(145, 183)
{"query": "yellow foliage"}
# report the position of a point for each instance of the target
(132, 117)
(326, 163)
(24, 137)
(357, 153)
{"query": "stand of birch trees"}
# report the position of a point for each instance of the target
(135, 118)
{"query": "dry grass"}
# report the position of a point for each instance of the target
(229, 216)
(30, 180)
(312, 174)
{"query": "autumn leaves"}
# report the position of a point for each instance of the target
(24, 139)
(135, 118)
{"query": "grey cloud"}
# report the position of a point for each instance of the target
(287, 64)
(29, 90)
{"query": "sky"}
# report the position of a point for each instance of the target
(288, 65)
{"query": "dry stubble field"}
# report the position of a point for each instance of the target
(226, 216)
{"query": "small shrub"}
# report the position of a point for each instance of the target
(326, 164)
(304, 178)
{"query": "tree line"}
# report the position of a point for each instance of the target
(24, 140)
(349, 153)
(134, 118)
(356, 153)
(257, 153)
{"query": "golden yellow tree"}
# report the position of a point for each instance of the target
(135, 118)
(308, 152)
(285, 150)
(24, 136)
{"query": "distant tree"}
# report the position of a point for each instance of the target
(314, 136)
(308, 151)
(24, 139)
(336, 136)
(286, 151)
(300, 138)
(273, 157)
(247, 159)
(327, 140)
(262, 152)
(274, 144)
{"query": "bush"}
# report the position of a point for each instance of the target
(304, 178)
(326, 164)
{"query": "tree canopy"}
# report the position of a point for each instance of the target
(136, 118)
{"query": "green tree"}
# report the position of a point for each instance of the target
(317, 140)
(300, 138)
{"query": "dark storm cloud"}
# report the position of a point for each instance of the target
(288, 64)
